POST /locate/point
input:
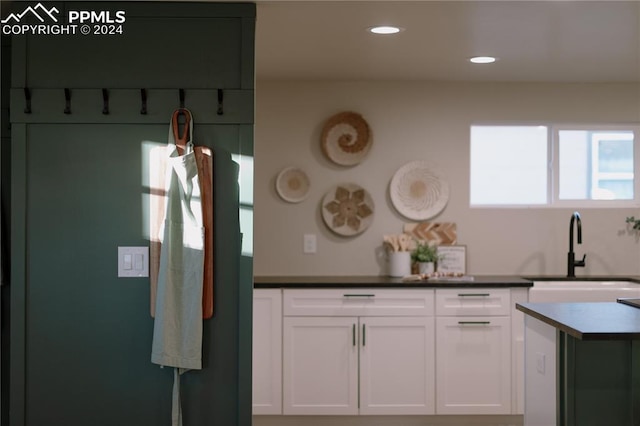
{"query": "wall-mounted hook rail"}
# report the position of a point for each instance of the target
(27, 100)
(67, 101)
(181, 94)
(105, 101)
(220, 102)
(143, 99)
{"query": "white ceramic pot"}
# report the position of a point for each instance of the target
(426, 267)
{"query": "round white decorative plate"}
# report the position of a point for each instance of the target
(346, 138)
(292, 185)
(347, 209)
(417, 192)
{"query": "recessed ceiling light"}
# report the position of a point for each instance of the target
(385, 29)
(482, 59)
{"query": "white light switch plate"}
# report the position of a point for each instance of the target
(133, 262)
(309, 244)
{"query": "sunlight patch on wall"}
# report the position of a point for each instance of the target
(150, 153)
(245, 184)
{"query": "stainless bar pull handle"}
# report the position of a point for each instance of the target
(358, 295)
(354, 334)
(363, 336)
(473, 294)
(474, 322)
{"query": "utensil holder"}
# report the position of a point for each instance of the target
(399, 264)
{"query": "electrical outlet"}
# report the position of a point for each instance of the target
(309, 244)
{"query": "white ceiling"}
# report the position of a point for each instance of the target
(560, 41)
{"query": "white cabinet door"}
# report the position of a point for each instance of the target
(473, 365)
(267, 351)
(518, 295)
(396, 365)
(320, 365)
(540, 373)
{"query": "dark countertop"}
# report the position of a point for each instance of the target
(588, 321)
(382, 282)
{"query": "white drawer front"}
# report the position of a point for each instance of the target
(473, 301)
(358, 302)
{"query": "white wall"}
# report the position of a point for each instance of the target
(426, 121)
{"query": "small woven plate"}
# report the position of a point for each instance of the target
(346, 138)
(292, 185)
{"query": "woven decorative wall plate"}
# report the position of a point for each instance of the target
(346, 138)
(347, 209)
(417, 192)
(292, 185)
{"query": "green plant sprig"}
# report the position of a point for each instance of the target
(636, 222)
(424, 252)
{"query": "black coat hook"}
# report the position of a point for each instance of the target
(27, 100)
(181, 92)
(220, 102)
(143, 98)
(67, 99)
(105, 101)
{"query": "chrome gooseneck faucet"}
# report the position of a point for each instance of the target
(571, 257)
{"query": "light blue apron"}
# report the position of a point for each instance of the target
(177, 331)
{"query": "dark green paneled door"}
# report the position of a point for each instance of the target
(81, 336)
(88, 332)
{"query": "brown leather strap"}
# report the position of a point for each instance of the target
(181, 140)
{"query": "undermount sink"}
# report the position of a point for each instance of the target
(582, 290)
(579, 279)
(573, 284)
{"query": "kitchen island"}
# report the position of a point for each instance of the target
(582, 363)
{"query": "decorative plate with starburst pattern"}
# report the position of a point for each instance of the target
(347, 209)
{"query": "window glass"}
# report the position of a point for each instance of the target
(577, 166)
(508, 165)
(595, 165)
